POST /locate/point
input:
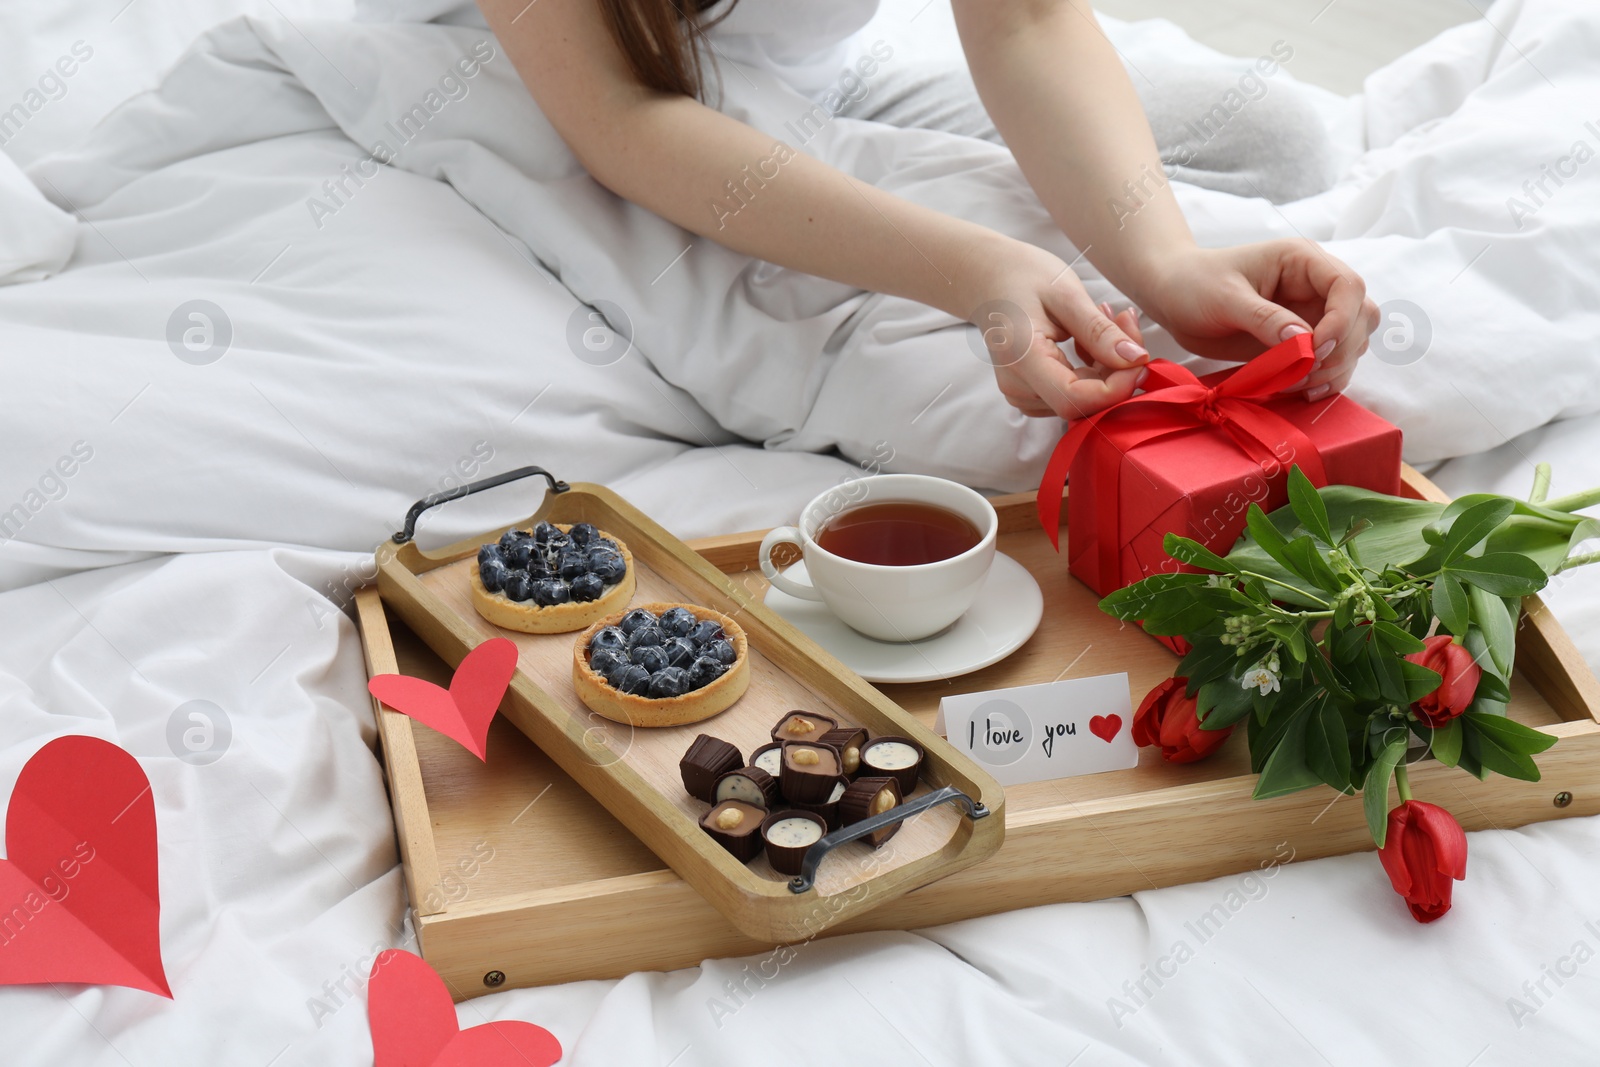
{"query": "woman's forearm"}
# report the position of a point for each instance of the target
(1058, 94)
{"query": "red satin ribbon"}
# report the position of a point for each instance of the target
(1175, 401)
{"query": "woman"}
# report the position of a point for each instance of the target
(622, 82)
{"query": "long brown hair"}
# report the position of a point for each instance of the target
(657, 36)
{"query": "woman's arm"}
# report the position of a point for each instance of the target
(675, 156)
(1058, 93)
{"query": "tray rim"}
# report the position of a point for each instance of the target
(760, 907)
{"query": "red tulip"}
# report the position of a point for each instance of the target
(1167, 718)
(1424, 852)
(1459, 674)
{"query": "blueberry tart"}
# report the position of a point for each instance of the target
(552, 579)
(661, 665)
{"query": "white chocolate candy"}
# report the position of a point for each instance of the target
(738, 787)
(838, 791)
(890, 755)
(770, 761)
(794, 833)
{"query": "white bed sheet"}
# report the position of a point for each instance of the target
(278, 863)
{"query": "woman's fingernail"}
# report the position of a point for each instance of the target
(1318, 393)
(1325, 347)
(1138, 312)
(1292, 330)
(1105, 309)
(1131, 352)
(1137, 382)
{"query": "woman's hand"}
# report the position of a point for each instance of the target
(1230, 303)
(1027, 303)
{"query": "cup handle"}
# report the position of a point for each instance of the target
(784, 535)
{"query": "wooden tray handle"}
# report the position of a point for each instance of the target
(446, 495)
(807, 877)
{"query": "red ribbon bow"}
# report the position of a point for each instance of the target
(1175, 401)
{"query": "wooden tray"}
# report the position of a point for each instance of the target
(955, 817)
(517, 878)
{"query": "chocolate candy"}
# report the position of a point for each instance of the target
(828, 809)
(789, 835)
(708, 759)
(808, 772)
(769, 758)
(736, 826)
(749, 784)
(866, 797)
(899, 758)
(848, 740)
(802, 726)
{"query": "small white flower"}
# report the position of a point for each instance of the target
(1261, 678)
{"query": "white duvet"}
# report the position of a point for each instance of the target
(227, 370)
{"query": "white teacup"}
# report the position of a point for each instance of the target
(887, 602)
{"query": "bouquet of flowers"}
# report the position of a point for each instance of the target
(1343, 626)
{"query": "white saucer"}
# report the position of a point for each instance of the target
(1004, 616)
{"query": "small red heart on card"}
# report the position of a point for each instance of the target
(79, 893)
(1105, 727)
(413, 1024)
(463, 711)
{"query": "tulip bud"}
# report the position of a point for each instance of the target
(1424, 852)
(1458, 673)
(1167, 718)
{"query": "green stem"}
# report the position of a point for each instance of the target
(1285, 585)
(1541, 483)
(1574, 501)
(1578, 561)
(1402, 783)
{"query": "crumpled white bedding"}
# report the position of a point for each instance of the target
(410, 342)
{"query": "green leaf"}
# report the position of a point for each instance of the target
(1445, 743)
(1293, 637)
(1397, 640)
(1206, 659)
(1327, 744)
(1149, 596)
(1492, 687)
(1388, 670)
(1183, 620)
(1308, 506)
(1309, 561)
(1221, 703)
(1286, 770)
(1501, 573)
(1375, 790)
(1510, 734)
(1496, 621)
(1195, 554)
(1450, 604)
(1485, 746)
(1271, 541)
(1418, 680)
(1475, 523)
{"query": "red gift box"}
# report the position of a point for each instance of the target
(1190, 455)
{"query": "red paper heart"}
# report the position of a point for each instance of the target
(413, 1024)
(1105, 727)
(79, 893)
(463, 711)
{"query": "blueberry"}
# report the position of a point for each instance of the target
(572, 563)
(722, 652)
(586, 587)
(609, 565)
(704, 671)
(606, 660)
(537, 568)
(548, 591)
(633, 679)
(636, 618)
(651, 657)
(609, 637)
(706, 632)
(669, 682)
(511, 537)
(493, 575)
(646, 635)
(677, 622)
(583, 535)
(614, 675)
(520, 552)
(488, 552)
(680, 651)
(518, 586)
(544, 532)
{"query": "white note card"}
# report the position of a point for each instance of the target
(1033, 733)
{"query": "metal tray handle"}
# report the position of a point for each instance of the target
(446, 495)
(807, 877)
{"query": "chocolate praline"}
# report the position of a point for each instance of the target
(802, 726)
(789, 835)
(736, 826)
(808, 772)
(828, 809)
(749, 784)
(848, 740)
(866, 797)
(707, 759)
(899, 758)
